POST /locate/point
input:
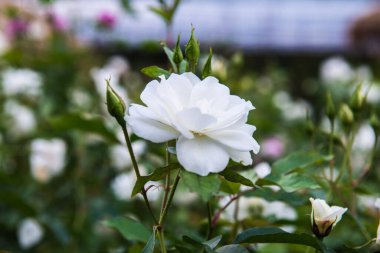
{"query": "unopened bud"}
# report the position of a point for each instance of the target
(346, 116)
(192, 50)
(330, 108)
(207, 67)
(115, 105)
(177, 56)
(357, 99)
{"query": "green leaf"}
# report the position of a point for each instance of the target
(233, 176)
(233, 248)
(149, 247)
(289, 172)
(169, 53)
(212, 243)
(207, 67)
(130, 229)
(229, 187)
(154, 72)
(276, 235)
(204, 186)
(82, 122)
(156, 175)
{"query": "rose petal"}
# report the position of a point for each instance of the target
(201, 155)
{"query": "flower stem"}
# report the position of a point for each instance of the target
(136, 169)
(170, 198)
(161, 239)
(209, 219)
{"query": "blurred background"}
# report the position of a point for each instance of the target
(63, 166)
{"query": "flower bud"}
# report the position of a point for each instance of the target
(375, 123)
(177, 56)
(324, 217)
(207, 67)
(330, 108)
(346, 116)
(192, 50)
(115, 105)
(357, 99)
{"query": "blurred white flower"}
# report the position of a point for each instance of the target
(291, 110)
(22, 118)
(377, 203)
(249, 206)
(4, 44)
(120, 157)
(114, 69)
(365, 138)
(272, 147)
(16, 81)
(29, 233)
(378, 234)
(336, 70)
(122, 186)
(210, 124)
(38, 30)
(262, 169)
(47, 158)
(373, 96)
(324, 217)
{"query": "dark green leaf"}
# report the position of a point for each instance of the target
(154, 72)
(82, 122)
(229, 187)
(276, 235)
(233, 248)
(204, 186)
(149, 247)
(130, 229)
(233, 176)
(156, 175)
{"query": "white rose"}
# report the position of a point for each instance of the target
(336, 70)
(324, 217)
(16, 81)
(47, 158)
(209, 123)
(29, 233)
(22, 118)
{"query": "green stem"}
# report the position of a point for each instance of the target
(161, 239)
(136, 169)
(167, 181)
(331, 149)
(209, 219)
(170, 198)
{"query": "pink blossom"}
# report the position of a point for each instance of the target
(106, 20)
(273, 147)
(16, 27)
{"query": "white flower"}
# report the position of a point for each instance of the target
(262, 169)
(22, 118)
(4, 43)
(209, 123)
(47, 158)
(336, 70)
(286, 104)
(29, 233)
(120, 157)
(365, 138)
(16, 81)
(123, 184)
(377, 203)
(378, 234)
(324, 217)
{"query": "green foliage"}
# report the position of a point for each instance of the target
(130, 229)
(204, 186)
(149, 247)
(156, 175)
(154, 72)
(207, 69)
(276, 235)
(233, 248)
(232, 176)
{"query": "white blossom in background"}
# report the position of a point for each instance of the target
(272, 147)
(373, 96)
(249, 206)
(4, 43)
(324, 217)
(336, 70)
(365, 138)
(286, 104)
(262, 169)
(209, 123)
(21, 81)
(114, 69)
(47, 158)
(120, 157)
(378, 234)
(377, 203)
(29, 233)
(122, 186)
(22, 118)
